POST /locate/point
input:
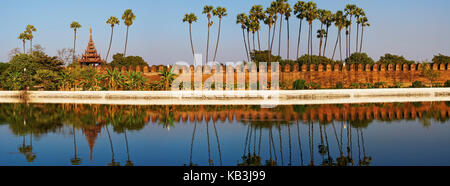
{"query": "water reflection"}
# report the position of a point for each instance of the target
(327, 135)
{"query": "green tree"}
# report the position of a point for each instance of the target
(128, 17)
(430, 74)
(394, 59)
(220, 12)
(283, 8)
(269, 21)
(119, 61)
(441, 59)
(111, 21)
(358, 14)
(190, 18)
(47, 79)
(350, 11)
(113, 79)
(256, 15)
(359, 58)
(208, 10)
(166, 78)
(299, 84)
(75, 26)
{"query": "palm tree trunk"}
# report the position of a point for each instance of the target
(325, 45)
(190, 37)
(110, 42)
(310, 43)
(192, 142)
(335, 46)
(268, 47)
(357, 37)
(218, 143)
(349, 36)
(218, 38)
(259, 43)
(299, 37)
(340, 47)
(299, 143)
(31, 46)
(273, 35)
(74, 42)
(362, 35)
(126, 42)
(279, 35)
(248, 41)
(24, 51)
(245, 44)
(287, 23)
(254, 46)
(207, 42)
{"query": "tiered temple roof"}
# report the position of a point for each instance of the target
(90, 57)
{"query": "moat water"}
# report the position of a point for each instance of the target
(291, 135)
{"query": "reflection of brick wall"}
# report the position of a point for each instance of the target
(326, 75)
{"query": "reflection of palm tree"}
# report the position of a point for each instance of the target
(75, 160)
(281, 143)
(299, 143)
(218, 142)
(113, 163)
(311, 142)
(129, 162)
(210, 161)
(290, 149)
(192, 143)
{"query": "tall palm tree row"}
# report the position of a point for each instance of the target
(75, 26)
(111, 21)
(339, 22)
(190, 18)
(303, 11)
(128, 17)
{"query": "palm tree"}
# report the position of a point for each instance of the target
(167, 77)
(329, 19)
(219, 12)
(113, 78)
(75, 25)
(241, 19)
(311, 13)
(283, 7)
(254, 27)
(23, 36)
(269, 21)
(364, 22)
(275, 6)
(257, 14)
(339, 21)
(190, 18)
(29, 30)
(350, 10)
(347, 25)
(208, 10)
(128, 17)
(111, 21)
(321, 34)
(299, 10)
(287, 15)
(358, 13)
(248, 27)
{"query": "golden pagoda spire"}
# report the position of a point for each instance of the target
(90, 33)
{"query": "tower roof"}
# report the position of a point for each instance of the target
(90, 55)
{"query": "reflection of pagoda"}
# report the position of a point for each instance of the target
(91, 133)
(90, 56)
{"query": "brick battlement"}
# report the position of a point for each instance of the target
(325, 75)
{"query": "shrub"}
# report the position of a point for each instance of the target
(359, 58)
(394, 59)
(417, 84)
(447, 83)
(119, 61)
(313, 85)
(441, 59)
(299, 84)
(380, 85)
(262, 56)
(339, 85)
(397, 85)
(315, 60)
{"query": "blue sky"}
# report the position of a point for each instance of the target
(416, 29)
